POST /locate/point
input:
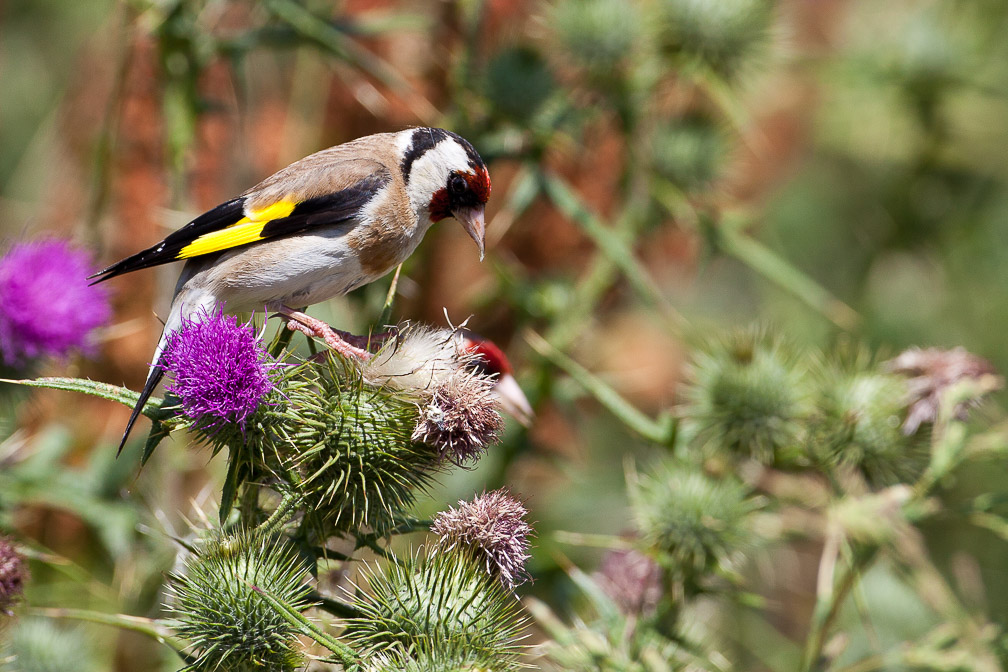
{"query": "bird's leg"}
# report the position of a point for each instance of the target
(365, 341)
(310, 326)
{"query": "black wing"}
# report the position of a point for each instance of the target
(337, 207)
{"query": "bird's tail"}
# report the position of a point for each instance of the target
(153, 378)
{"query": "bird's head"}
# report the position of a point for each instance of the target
(445, 177)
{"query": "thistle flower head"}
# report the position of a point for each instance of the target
(599, 35)
(441, 607)
(747, 396)
(690, 520)
(689, 152)
(46, 304)
(493, 527)
(220, 369)
(13, 574)
(460, 418)
(347, 448)
(857, 423)
(216, 608)
(632, 580)
(724, 36)
(931, 372)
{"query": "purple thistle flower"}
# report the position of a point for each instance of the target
(46, 304)
(492, 526)
(13, 574)
(219, 367)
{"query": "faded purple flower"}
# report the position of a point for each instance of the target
(46, 304)
(632, 580)
(461, 418)
(931, 371)
(492, 526)
(220, 368)
(13, 574)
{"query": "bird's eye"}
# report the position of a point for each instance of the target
(457, 184)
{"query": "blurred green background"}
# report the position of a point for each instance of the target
(662, 170)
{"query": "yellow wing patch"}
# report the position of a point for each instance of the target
(246, 230)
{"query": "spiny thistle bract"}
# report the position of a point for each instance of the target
(858, 424)
(216, 609)
(437, 607)
(46, 304)
(725, 36)
(691, 522)
(493, 528)
(219, 369)
(347, 449)
(748, 396)
(39, 645)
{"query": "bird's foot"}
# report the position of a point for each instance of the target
(314, 327)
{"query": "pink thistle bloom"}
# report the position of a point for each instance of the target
(219, 368)
(46, 304)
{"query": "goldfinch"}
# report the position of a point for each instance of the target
(319, 228)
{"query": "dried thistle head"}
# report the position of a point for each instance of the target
(931, 372)
(492, 526)
(417, 360)
(632, 580)
(460, 418)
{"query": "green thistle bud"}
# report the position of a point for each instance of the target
(858, 425)
(689, 152)
(347, 449)
(442, 608)
(598, 35)
(747, 397)
(38, 645)
(692, 522)
(215, 607)
(724, 36)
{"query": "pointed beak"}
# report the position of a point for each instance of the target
(472, 221)
(512, 400)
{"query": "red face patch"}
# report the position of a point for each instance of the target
(479, 183)
(440, 205)
(494, 359)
